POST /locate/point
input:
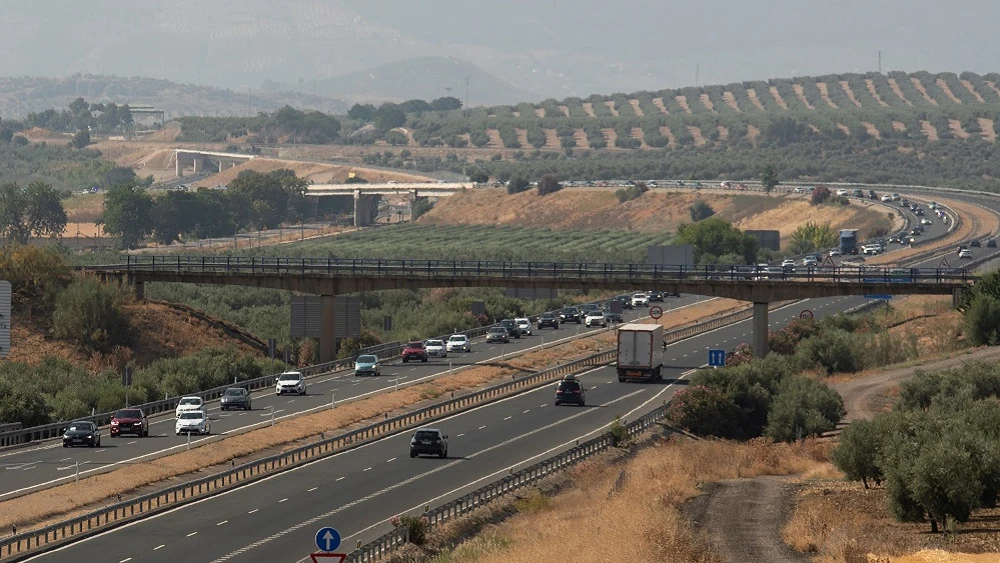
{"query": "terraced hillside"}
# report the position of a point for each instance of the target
(918, 106)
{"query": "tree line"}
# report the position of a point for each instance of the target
(252, 201)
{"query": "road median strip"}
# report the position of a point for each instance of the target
(119, 513)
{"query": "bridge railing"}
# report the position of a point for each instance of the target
(521, 270)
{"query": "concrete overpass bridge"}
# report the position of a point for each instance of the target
(364, 194)
(331, 277)
(201, 160)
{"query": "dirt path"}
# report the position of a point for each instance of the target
(972, 90)
(947, 90)
(898, 91)
(861, 396)
(871, 90)
(800, 94)
(730, 100)
(986, 127)
(750, 514)
(923, 91)
(825, 94)
(752, 96)
(850, 93)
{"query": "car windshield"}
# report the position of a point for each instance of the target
(289, 377)
(457, 338)
(426, 435)
(498, 329)
(81, 427)
(415, 345)
(128, 414)
(235, 392)
(193, 415)
(191, 401)
(569, 385)
(367, 359)
(435, 343)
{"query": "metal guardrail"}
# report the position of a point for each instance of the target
(449, 511)
(25, 542)
(651, 273)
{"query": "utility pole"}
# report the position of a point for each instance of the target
(467, 95)
(248, 102)
(880, 62)
(697, 71)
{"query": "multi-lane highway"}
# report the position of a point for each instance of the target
(358, 490)
(48, 463)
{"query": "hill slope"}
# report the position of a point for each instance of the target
(655, 211)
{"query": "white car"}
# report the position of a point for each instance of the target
(640, 300)
(841, 192)
(810, 261)
(895, 197)
(524, 323)
(290, 382)
(187, 404)
(926, 222)
(835, 252)
(965, 253)
(799, 190)
(193, 422)
(435, 349)
(458, 343)
(887, 198)
(789, 263)
(596, 318)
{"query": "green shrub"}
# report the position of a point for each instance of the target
(88, 314)
(700, 210)
(835, 351)
(706, 411)
(517, 185)
(803, 407)
(858, 451)
(981, 322)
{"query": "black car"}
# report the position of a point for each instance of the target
(497, 334)
(547, 320)
(626, 301)
(511, 326)
(429, 441)
(235, 398)
(571, 315)
(656, 296)
(974, 244)
(82, 433)
(613, 317)
(569, 390)
(991, 243)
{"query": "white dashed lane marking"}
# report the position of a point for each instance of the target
(192, 534)
(161, 546)
(252, 511)
(221, 523)
(312, 489)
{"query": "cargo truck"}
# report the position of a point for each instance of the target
(640, 352)
(849, 241)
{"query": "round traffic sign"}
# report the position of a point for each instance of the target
(656, 311)
(327, 539)
(806, 314)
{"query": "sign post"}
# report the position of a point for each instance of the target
(327, 540)
(656, 311)
(716, 358)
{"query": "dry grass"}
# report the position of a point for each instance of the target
(923, 91)
(898, 91)
(870, 85)
(642, 520)
(83, 208)
(71, 498)
(850, 93)
(843, 522)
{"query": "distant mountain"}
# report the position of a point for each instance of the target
(423, 78)
(21, 95)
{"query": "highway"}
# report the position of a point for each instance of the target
(48, 463)
(358, 490)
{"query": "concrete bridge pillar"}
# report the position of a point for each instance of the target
(199, 164)
(760, 329)
(179, 166)
(140, 290)
(412, 200)
(327, 321)
(362, 208)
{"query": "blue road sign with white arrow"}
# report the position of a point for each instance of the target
(716, 358)
(327, 539)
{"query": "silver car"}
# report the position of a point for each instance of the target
(458, 343)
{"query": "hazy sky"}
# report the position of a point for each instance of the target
(550, 47)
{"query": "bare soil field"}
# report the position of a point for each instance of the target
(723, 133)
(695, 132)
(752, 95)
(682, 101)
(581, 138)
(850, 93)
(495, 141)
(986, 129)
(870, 85)
(993, 85)
(564, 110)
(636, 108)
(800, 94)
(610, 137)
(588, 108)
(752, 133)
(636, 133)
(610, 104)
(899, 126)
(928, 130)
(666, 132)
(551, 139)
(947, 90)
(923, 91)
(870, 128)
(730, 100)
(658, 102)
(522, 137)
(707, 102)
(844, 128)
(899, 93)
(972, 90)
(585, 208)
(957, 130)
(777, 98)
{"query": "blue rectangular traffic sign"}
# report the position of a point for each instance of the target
(716, 358)
(878, 297)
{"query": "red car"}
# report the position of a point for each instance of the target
(414, 351)
(130, 421)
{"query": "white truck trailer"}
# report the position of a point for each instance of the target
(640, 352)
